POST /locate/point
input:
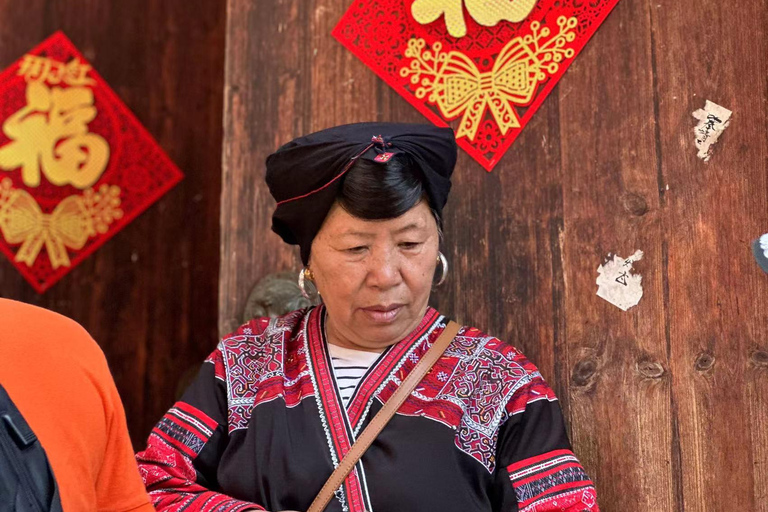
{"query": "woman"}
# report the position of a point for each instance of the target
(280, 401)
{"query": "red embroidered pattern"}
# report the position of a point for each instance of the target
(332, 414)
(412, 346)
(166, 465)
(478, 384)
(474, 388)
(554, 481)
(185, 428)
(253, 363)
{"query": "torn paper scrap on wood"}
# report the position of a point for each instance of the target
(617, 284)
(760, 249)
(713, 120)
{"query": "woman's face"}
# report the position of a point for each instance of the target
(374, 276)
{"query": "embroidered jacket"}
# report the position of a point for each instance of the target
(263, 426)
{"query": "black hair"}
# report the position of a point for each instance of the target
(379, 191)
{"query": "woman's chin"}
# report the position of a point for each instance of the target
(383, 332)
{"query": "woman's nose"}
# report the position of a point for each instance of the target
(384, 271)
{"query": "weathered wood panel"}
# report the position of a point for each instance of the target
(148, 296)
(658, 424)
(620, 403)
(264, 87)
(717, 308)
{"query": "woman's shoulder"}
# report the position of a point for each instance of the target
(263, 329)
(476, 344)
(256, 346)
(496, 366)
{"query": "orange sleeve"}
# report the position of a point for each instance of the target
(119, 487)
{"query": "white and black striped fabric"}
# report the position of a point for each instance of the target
(350, 365)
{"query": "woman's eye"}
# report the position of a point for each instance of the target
(410, 245)
(356, 250)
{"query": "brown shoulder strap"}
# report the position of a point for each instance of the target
(383, 416)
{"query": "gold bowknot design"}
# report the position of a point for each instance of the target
(68, 226)
(458, 88)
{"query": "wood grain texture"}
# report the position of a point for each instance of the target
(619, 379)
(149, 295)
(665, 402)
(717, 294)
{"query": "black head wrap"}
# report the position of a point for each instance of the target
(305, 175)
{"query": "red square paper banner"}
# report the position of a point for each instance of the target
(484, 66)
(76, 166)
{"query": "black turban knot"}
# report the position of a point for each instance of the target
(305, 175)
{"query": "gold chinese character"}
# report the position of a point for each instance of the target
(485, 12)
(42, 69)
(50, 134)
(34, 67)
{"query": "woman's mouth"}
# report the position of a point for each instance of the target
(382, 314)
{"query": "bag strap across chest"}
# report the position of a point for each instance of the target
(381, 419)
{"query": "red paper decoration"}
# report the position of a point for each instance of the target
(485, 66)
(75, 164)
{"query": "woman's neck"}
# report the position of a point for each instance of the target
(334, 338)
(347, 338)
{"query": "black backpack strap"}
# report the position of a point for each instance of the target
(27, 483)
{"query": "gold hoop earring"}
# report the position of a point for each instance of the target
(443, 262)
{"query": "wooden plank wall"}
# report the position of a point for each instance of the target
(667, 403)
(149, 295)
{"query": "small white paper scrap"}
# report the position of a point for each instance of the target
(713, 120)
(617, 284)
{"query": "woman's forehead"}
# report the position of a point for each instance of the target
(341, 223)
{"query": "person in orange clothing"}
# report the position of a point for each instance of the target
(59, 380)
